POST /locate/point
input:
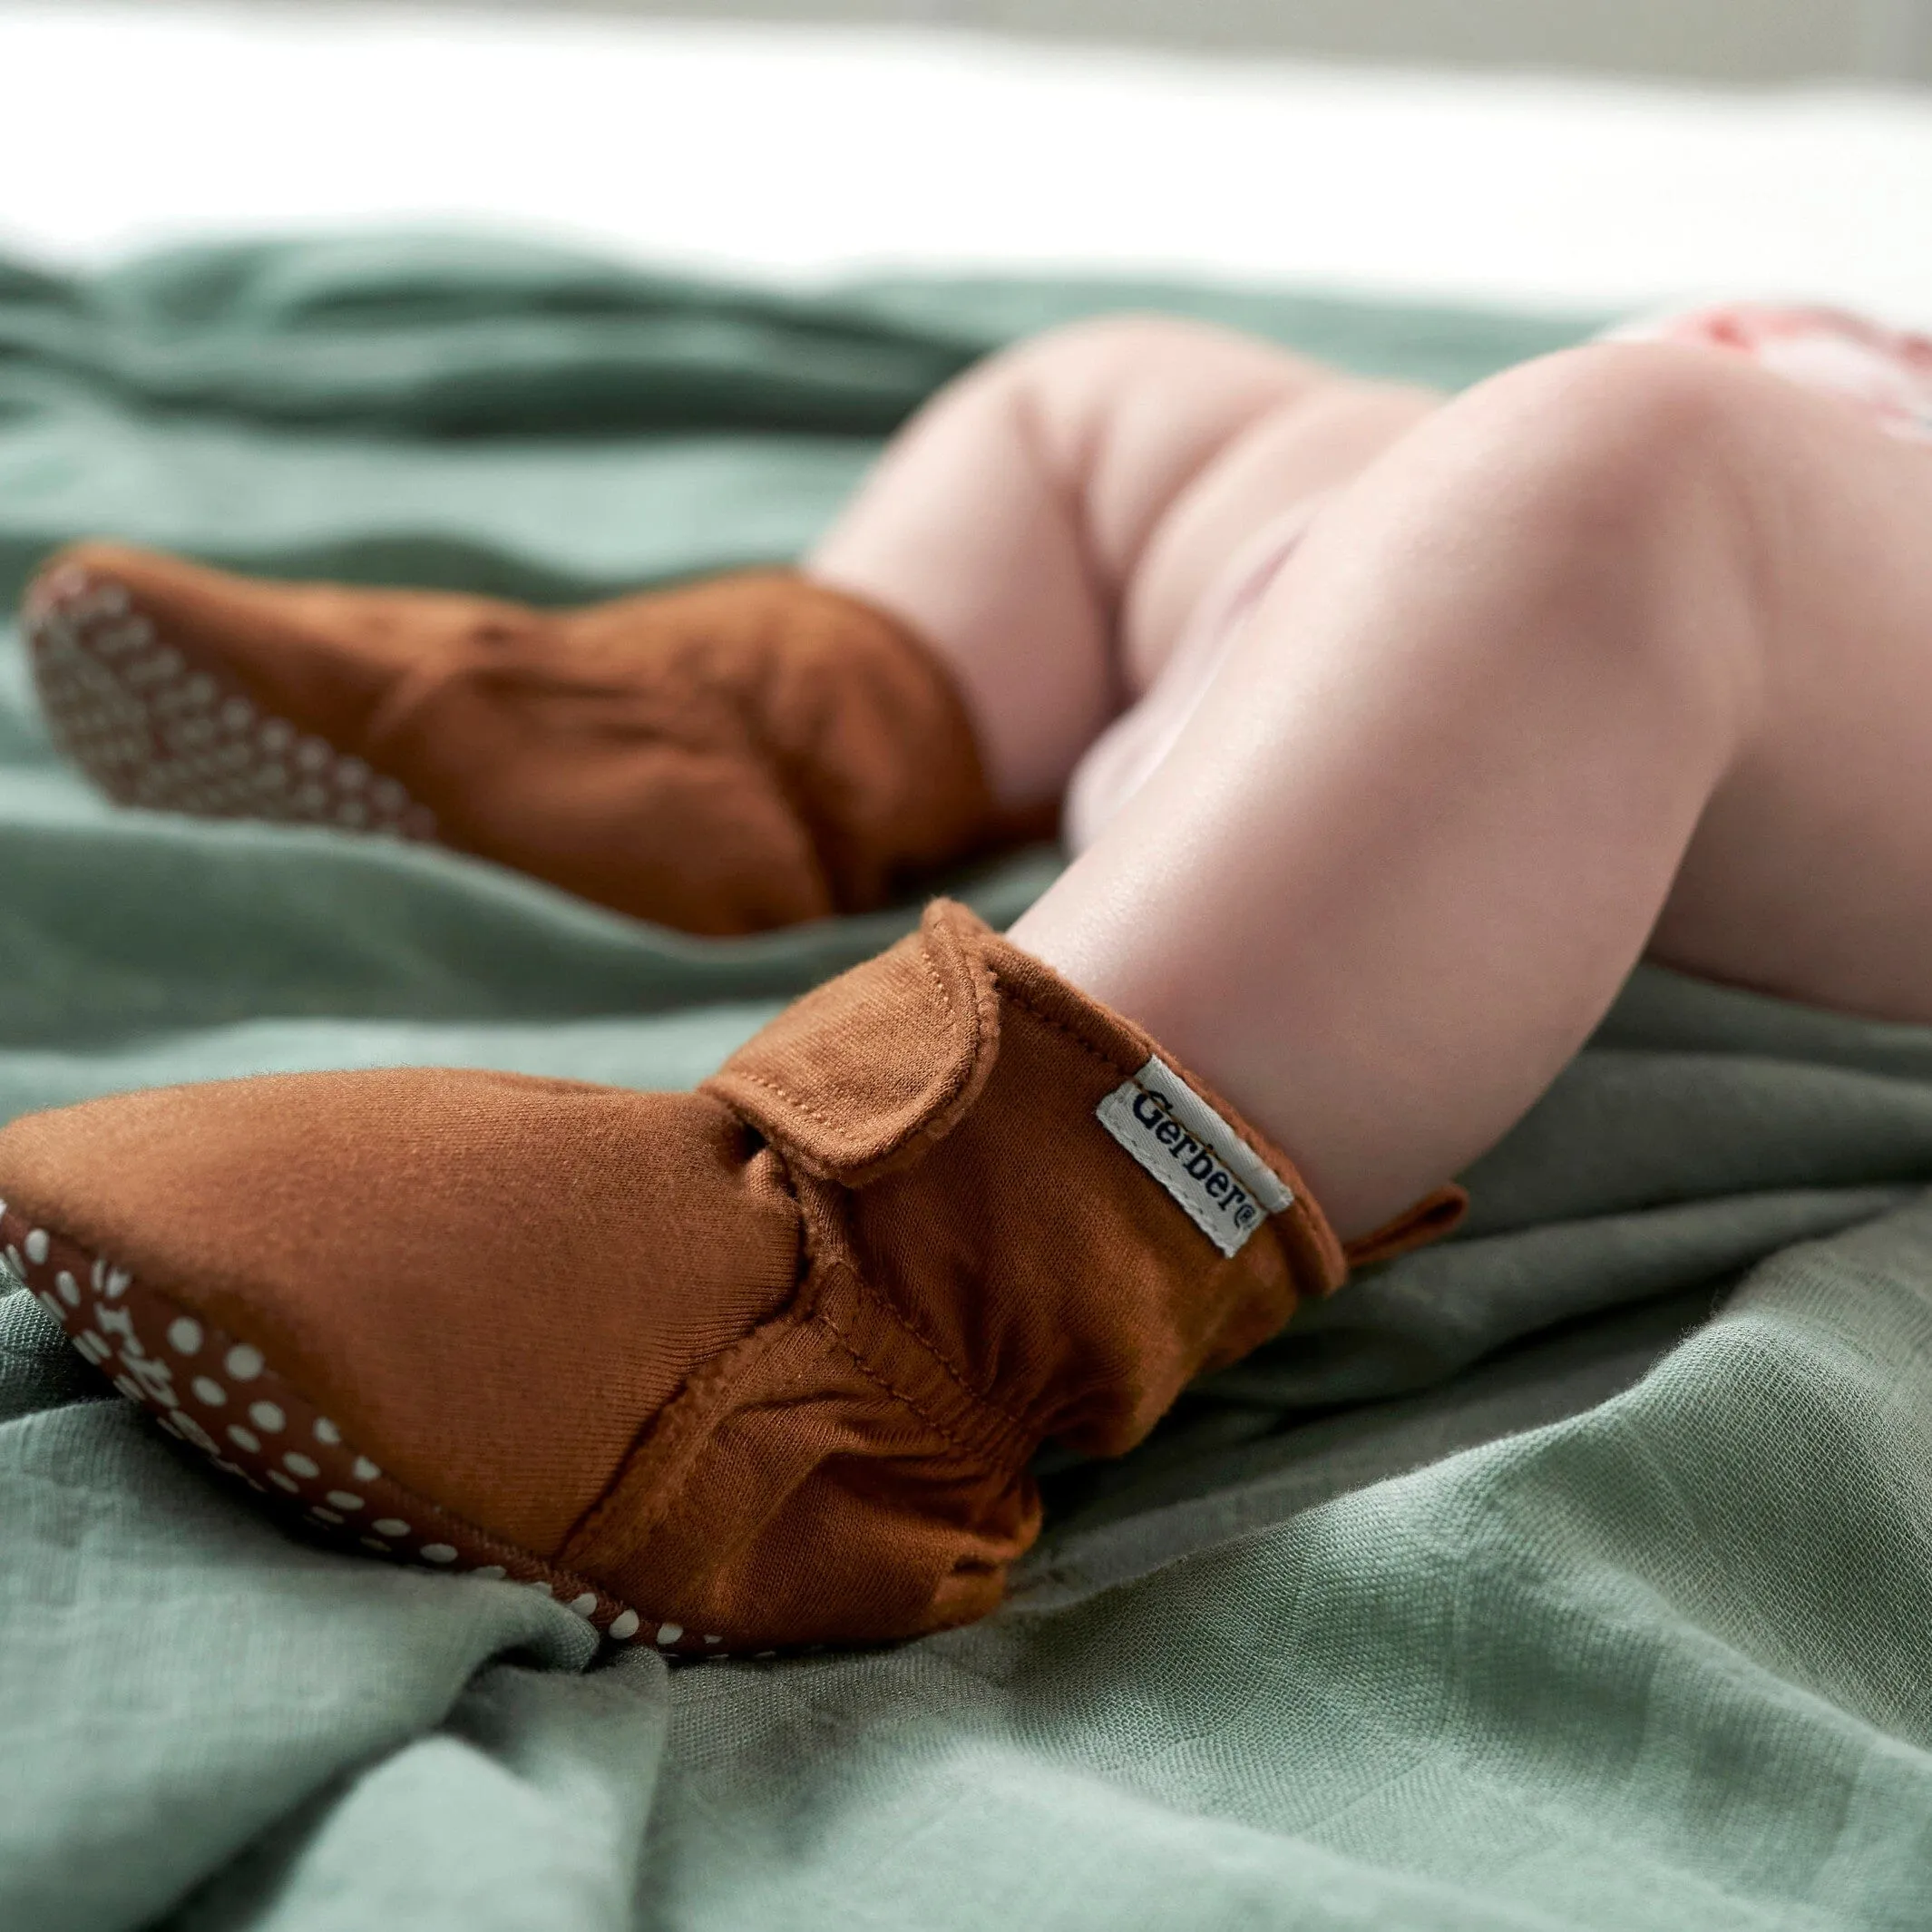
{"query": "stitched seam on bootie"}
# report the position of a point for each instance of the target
(884, 1305)
(678, 1436)
(784, 1094)
(874, 1374)
(1019, 996)
(938, 1104)
(824, 1269)
(952, 1024)
(688, 1428)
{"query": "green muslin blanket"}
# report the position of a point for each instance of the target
(1577, 1572)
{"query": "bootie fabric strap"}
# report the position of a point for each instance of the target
(1112, 1211)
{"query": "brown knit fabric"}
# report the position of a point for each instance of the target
(762, 1365)
(734, 755)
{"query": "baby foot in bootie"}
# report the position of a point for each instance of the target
(758, 1366)
(736, 755)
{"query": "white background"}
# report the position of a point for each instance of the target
(803, 152)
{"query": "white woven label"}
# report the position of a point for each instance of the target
(1220, 1182)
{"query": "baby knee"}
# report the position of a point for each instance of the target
(1620, 477)
(1613, 438)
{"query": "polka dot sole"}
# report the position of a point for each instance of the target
(222, 1398)
(151, 727)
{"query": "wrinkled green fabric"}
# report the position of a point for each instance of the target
(1577, 1572)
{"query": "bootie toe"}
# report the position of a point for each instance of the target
(736, 1371)
(724, 757)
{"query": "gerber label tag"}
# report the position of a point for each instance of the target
(1219, 1182)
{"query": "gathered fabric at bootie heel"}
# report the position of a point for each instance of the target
(723, 757)
(758, 1366)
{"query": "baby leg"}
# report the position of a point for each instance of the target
(1049, 521)
(1628, 649)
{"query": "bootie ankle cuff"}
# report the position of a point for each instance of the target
(759, 1366)
(1072, 1223)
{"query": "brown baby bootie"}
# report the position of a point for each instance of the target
(734, 755)
(754, 1367)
